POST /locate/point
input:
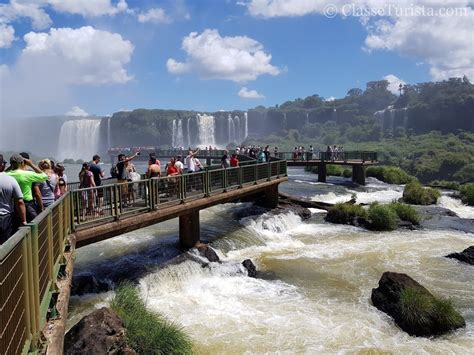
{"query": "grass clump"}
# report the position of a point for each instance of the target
(382, 217)
(405, 212)
(389, 174)
(345, 213)
(444, 184)
(467, 193)
(414, 193)
(331, 170)
(423, 310)
(148, 332)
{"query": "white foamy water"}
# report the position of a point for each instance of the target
(206, 127)
(456, 205)
(79, 139)
(317, 297)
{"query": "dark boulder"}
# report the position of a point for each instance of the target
(250, 266)
(207, 252)
(413, 308)
(82, 284)
(466, 256)
(101, 332)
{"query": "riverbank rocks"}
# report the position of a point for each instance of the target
(82, 284)
(413, 308)
(250, 266)
(101, 332)
(466, 256)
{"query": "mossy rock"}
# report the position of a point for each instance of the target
(413, 308)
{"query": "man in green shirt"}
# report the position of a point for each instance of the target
(25, 179)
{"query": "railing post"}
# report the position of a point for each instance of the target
(224, 180)
(116, 202)
(26, 285)
(49, 220)
(35, 295)
(269, 171)
(255, 174)
(240, 175)
(182, 189)
(206, 183)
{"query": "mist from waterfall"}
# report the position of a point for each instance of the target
(79, 139)
(206, 127)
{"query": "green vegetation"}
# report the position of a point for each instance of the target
(405, 212)
(443, 184)
(382, 217)
(345, 213)
(148, 332)
(389, 174)
(467, 193)
(421, 309)
(331, 170)
(414, 193)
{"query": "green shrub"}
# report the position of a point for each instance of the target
(347, 173)
(148, 332)
(450, 185)
(467, 193)
(382, 218)
(331, 170)
(389, 174)
(416, 194)
(344, 213)
(421, 309)
(405, 212)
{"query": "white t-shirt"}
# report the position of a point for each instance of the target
(179, 165)
(190, 163)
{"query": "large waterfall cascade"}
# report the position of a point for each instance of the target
(391, 118)
(79, 139)
(183, 135)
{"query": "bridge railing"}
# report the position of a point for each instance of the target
(112, 202)
(358, 156)
(29, 264)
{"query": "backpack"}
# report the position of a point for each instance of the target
(114, 171)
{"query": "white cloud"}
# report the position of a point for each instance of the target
(84, 55)
(330, 98)
(54, 63)
(7, 35)
(155, 15)
(88, 8)
(76, 111)
(30, 9)
(249, 94)
(442, 41)
(394, 83)
(211, 56)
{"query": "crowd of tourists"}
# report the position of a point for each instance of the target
(26, 189)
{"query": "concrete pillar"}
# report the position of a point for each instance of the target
(358, 174)
(189, 229)
(322, 172)
(270, 198)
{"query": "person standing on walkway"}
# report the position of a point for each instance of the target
(225, 160)
(25, 179)
(98, 173)
(10, 197)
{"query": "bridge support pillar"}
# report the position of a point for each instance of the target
(270, 197)
(322, 172)
(358, 174)
(189, 229)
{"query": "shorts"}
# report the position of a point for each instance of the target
(6, 227)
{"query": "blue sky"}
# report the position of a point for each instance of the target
(122, 60)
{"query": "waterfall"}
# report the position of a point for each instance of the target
(405, 118)
(109, 143)
(392, 118)
(177, 138)
(246, 132)
(237, 130)
(231, 129)
(206, 129)
(379, 116)
(79, 139)
(189, 132)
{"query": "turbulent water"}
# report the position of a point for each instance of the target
(313, 292)
(79, 139)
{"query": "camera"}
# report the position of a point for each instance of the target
(138, 153)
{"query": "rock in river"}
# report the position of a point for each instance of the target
(413, 307)
(466, 256)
